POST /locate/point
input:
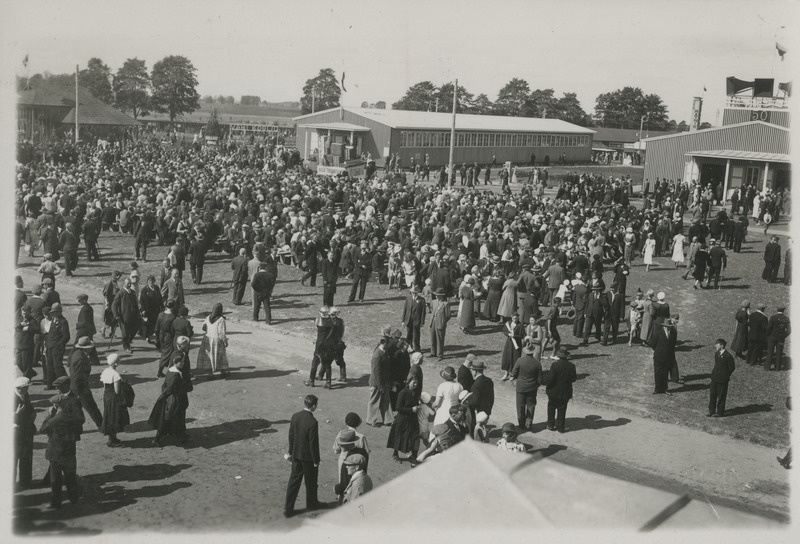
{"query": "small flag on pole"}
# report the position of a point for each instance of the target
(343, 88)
(25, 61)
(781, 50)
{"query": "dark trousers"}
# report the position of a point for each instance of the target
(327, 295)
(774, 353)
(577, 325)
(526, 405)
(141, 248)
(437, 342)
(591, 322)
(89, 405)
(238, 291)
(326, 372)
(660, 376)
(556, 413)
(611, 325)
(24, 359)
(54, 358)
(359, 285)
(127, 332)
(770, 272)
(261, 298)
(63, 473)
(38, 349)
(412, 336)
(717, 395)
(23, 455)
(70, 261)
(737, 245)
(754, 352)
(197, 273)
(302, 470)
(91, 250)
(312, 273)
(713, 274)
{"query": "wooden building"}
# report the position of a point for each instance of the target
(417, 134)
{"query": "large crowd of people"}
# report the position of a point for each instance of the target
(526, 258)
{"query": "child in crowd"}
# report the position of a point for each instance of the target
(49, 269)
(634, 321)
(425, 415)
(480, 433)
(509, 441)
(427, 294)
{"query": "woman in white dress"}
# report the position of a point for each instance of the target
(677, 249)
(212, 354)
(756, 207)
(446, 395)
(649, 251)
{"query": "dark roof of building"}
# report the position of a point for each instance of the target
(91, 111)
(201, 116)
(625, 135)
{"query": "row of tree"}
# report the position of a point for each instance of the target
(624, 108)
(171, 87)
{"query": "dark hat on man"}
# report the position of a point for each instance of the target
(509, 427)
(780, 308)
(63, 380)
(346, 437)
(476, 365)
(55, 308)
(530, 349)
(562, 353)
(355, 459)
(116, 274)
(84, 342)
(83, 296)
(440, 292)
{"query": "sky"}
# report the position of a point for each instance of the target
(268, 48)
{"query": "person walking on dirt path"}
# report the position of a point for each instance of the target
(80, 368)
(63, 427)
(772, 260)
(414, 316)
(168, 416)
(239, 278)
(362, 269)
(724, 365)
(757, 335)
(263, 283)
(109, 294)
(323, 349)
(379, 411)
(440, 315)
(559, 391)
(126, 314)
(778, 329)
(303, 454)
(663, 342)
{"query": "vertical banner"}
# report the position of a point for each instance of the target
(697, 110)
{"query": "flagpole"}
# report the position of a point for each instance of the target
(76, 104)
(451, 180)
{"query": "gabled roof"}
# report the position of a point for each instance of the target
(403, 119)
(715, 129)
(625, 135)
(91, 111)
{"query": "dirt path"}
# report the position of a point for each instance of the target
(232, 475)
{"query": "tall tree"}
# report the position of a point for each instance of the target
(445, 94)
(132, 87)
(419, 97)
(325, 88)
(96, 78)
(250, 100)
(207, 99)
(480, 105)
(365, 104)
(174, 86)
(513, 98)
(568, 108)
(541, 103)
(380, 105)
(625, 108)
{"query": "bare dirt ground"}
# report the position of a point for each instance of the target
(232, 475)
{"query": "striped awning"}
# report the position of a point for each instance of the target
(740, 155)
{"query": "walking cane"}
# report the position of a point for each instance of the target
(113, 332)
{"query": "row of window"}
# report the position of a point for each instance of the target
(409, 138)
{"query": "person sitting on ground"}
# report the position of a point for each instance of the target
(509, 440)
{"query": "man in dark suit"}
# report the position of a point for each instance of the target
(80, 368)
(143, 233)
(482, 397)
(719, 261)
(330, 275)
(527, 374)
(594, 309)
(304, 456)
(414, 317)
(440, 315)
(68, 244)
(663, 342)
(55, 342)
(579, 294)
(778, 329)
(362, 268)
(263, 283)
(757, 335)
(738, 234)
(197, 258)
(616, 311)
(559, 390)
(311, 258)
(464, 375)
(239, 278)
(126, 312)
(724, 365)
(772, 260)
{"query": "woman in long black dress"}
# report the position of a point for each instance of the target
(405, 429)
(514, 332)
(701, 261)
(739, 342)
(494, 292)
(169, 413)
(115, 412)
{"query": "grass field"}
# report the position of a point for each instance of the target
(617, 376)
